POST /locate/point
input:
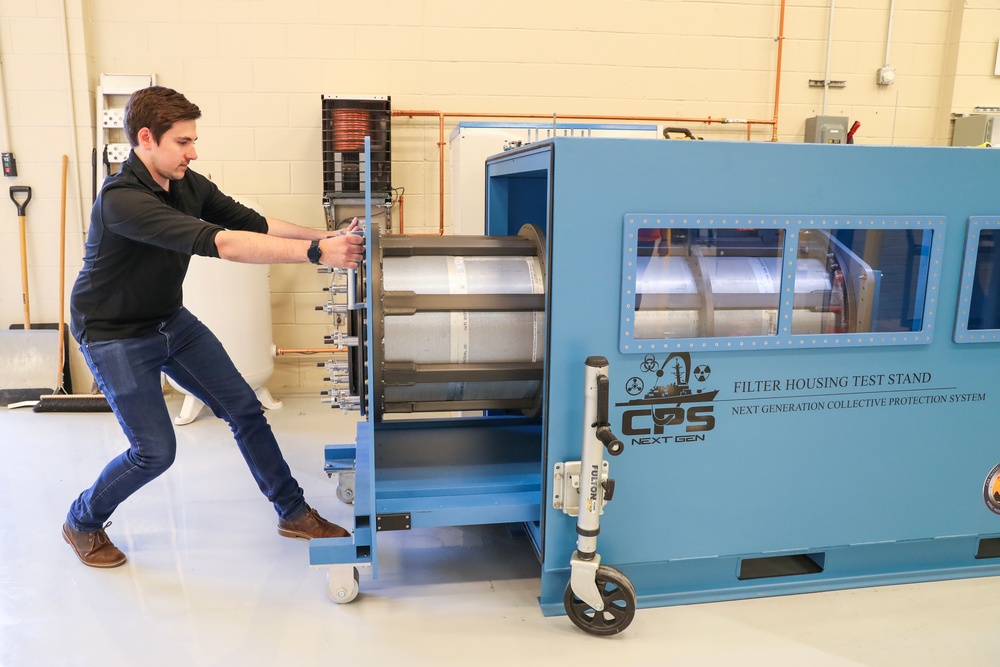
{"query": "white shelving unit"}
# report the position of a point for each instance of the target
(112, 95)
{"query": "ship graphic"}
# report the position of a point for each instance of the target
(676, 392)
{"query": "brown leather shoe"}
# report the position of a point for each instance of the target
(93, 549)
(310, 524)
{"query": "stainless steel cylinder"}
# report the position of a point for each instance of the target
(460, 323)
(727, 296)
(460, 337)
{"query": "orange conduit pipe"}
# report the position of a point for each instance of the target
(662, 119)
(284, 352)
(440, 144)
(777, 74)
(440, 115)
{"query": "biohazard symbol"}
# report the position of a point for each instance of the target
(649, 364)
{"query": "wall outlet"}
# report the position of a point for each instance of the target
(886, 75)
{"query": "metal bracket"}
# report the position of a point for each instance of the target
(113, 118)
(583, 580)
(117, 153)
(387, 522)
(823, 83)
(566, 486)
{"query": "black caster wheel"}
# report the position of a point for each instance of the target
(618, 596)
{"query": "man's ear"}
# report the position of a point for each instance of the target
(145, 137)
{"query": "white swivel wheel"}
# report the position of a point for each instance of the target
(345, 487)
(345, 494)
(342, 583)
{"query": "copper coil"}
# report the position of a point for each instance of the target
(350, 126)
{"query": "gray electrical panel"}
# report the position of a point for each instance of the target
(976, 130)
(826, 130)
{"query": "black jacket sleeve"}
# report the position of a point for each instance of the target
(186, 219)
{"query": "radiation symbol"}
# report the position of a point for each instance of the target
(701, 373)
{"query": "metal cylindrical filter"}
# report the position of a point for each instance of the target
(459, 344)
(671, 304)
(464, 337)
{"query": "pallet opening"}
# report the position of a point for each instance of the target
(989, 548)
(781, 566)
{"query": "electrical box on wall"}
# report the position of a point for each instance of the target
(826, 130)
(9, 165)
(976, 130)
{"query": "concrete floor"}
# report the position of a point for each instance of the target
(210, 582)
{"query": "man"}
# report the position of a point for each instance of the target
(127, 315)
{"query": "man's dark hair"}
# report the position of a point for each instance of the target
(157, 108)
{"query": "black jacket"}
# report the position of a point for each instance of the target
(140, 243)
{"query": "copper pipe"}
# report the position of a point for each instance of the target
(282, 352)
(441, 174)
(440, 116)
(667, 119)
(400, 214)
(777, 67)
(411, 113)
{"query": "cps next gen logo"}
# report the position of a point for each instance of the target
(669, 412)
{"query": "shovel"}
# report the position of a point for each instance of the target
(27, 358)
(15, 192)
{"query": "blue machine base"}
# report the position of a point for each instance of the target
(432, 473)
(765, 575)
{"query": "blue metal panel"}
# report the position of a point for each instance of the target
(854, 566)
(339, 457)
(459, 472)
(874, 458)
(517, 192)
(359, 548)
(353, 550)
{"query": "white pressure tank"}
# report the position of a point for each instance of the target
(234, 301)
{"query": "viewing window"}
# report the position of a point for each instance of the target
(979, 307)
(732, 282)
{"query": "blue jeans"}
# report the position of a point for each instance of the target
(128, 370)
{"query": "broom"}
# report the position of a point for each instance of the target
(63, 402)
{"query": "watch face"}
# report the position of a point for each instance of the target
(314, 252)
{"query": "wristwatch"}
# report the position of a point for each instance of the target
(314, 253)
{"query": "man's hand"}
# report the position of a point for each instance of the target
(345, 250)
(288, 243)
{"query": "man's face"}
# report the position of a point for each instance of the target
(170, 157)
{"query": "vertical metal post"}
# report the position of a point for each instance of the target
(586, 560)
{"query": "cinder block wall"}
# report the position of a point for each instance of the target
(258, 68)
